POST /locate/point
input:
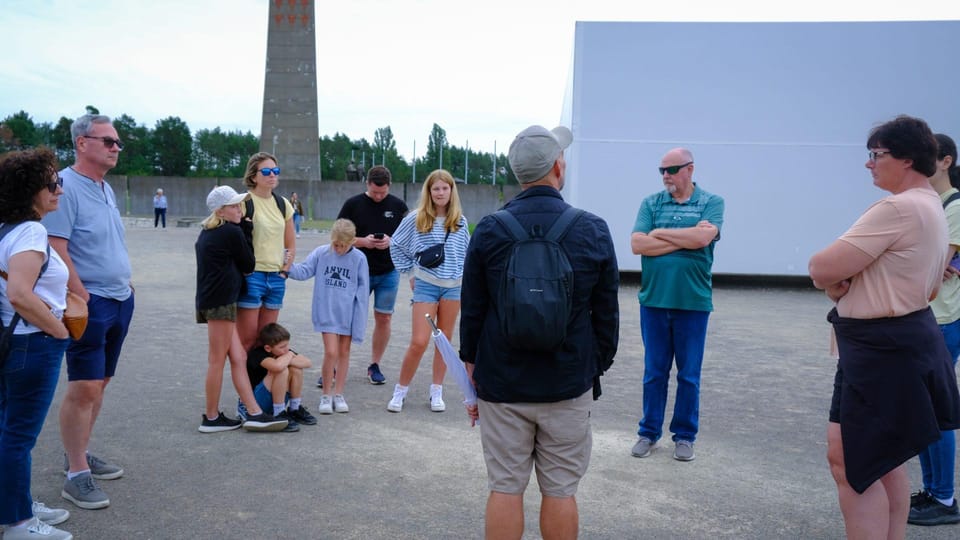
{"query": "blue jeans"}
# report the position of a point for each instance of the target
(297, 219)
(27, 384)
(670, 334)
(937, 460)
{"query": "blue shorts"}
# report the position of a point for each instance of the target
(264, 398)
(263, 289)
(94, 356)
(384, 290)
(431, 294)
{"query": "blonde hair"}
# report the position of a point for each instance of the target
(212, 221)
(343, 230)
(427, 211)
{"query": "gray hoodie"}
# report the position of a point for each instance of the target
(341, 290)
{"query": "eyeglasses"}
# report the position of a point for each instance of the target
(673, 169)
(874, 154)
(54, 184)
(107, 141)
(266, 172)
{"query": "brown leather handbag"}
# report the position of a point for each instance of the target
(75, 316)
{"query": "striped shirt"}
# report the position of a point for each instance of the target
(407, 242)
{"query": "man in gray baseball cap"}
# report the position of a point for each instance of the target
(535, 150)
(534, 416)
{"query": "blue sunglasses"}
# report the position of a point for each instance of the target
(266, 172)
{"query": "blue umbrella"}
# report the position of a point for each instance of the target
(454, 364)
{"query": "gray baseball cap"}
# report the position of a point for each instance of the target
(535, 149)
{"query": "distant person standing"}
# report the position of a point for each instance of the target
(377, 214)
(159, 208)
(88, 234)
(297, 212)
(352, 174)
(675, 232)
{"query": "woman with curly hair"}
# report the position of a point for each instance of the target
(438, 219)
(33, 296)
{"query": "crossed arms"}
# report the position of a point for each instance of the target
(662, 241)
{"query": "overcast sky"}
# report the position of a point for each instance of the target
(482, 70)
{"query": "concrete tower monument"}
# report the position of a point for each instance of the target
(290, 128)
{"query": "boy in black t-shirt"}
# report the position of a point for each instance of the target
(276, 373)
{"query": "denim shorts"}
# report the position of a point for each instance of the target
(384, 290)
(263, 289)
(428, 293)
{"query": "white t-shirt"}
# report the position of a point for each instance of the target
(52, 286)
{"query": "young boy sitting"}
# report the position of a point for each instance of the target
(276, 373)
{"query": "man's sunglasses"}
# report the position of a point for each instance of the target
(107, 141)
(266, 172)
(54, 184)
(673, 169)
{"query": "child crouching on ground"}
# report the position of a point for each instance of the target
(276, 373)
(340, 297)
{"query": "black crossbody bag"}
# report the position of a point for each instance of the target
(433, 256)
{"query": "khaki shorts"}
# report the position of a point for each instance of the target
(553, 437)
(220, 313)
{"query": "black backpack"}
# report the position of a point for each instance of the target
(248, 206)
(536, 288)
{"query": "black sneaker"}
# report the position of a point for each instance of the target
(919, 498)
(303, 416)
(221, 423)
(291, 426)
(263, 422)
(933, 512)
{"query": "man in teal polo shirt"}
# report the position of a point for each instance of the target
(674, 234)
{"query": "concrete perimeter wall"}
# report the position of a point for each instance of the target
(186, 196)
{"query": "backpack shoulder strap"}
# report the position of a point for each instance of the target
(511, 224)
(950, 199)
(563, 223)
(5, 229)
(248, 205)
(280, 206)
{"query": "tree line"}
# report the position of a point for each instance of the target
(170, 149)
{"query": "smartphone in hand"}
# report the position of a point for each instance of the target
(378, 236)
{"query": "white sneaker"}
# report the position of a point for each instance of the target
(396, 403)
(436, 398)
(340, 404)
(50, 516)
(35, 530)
(326, 405)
